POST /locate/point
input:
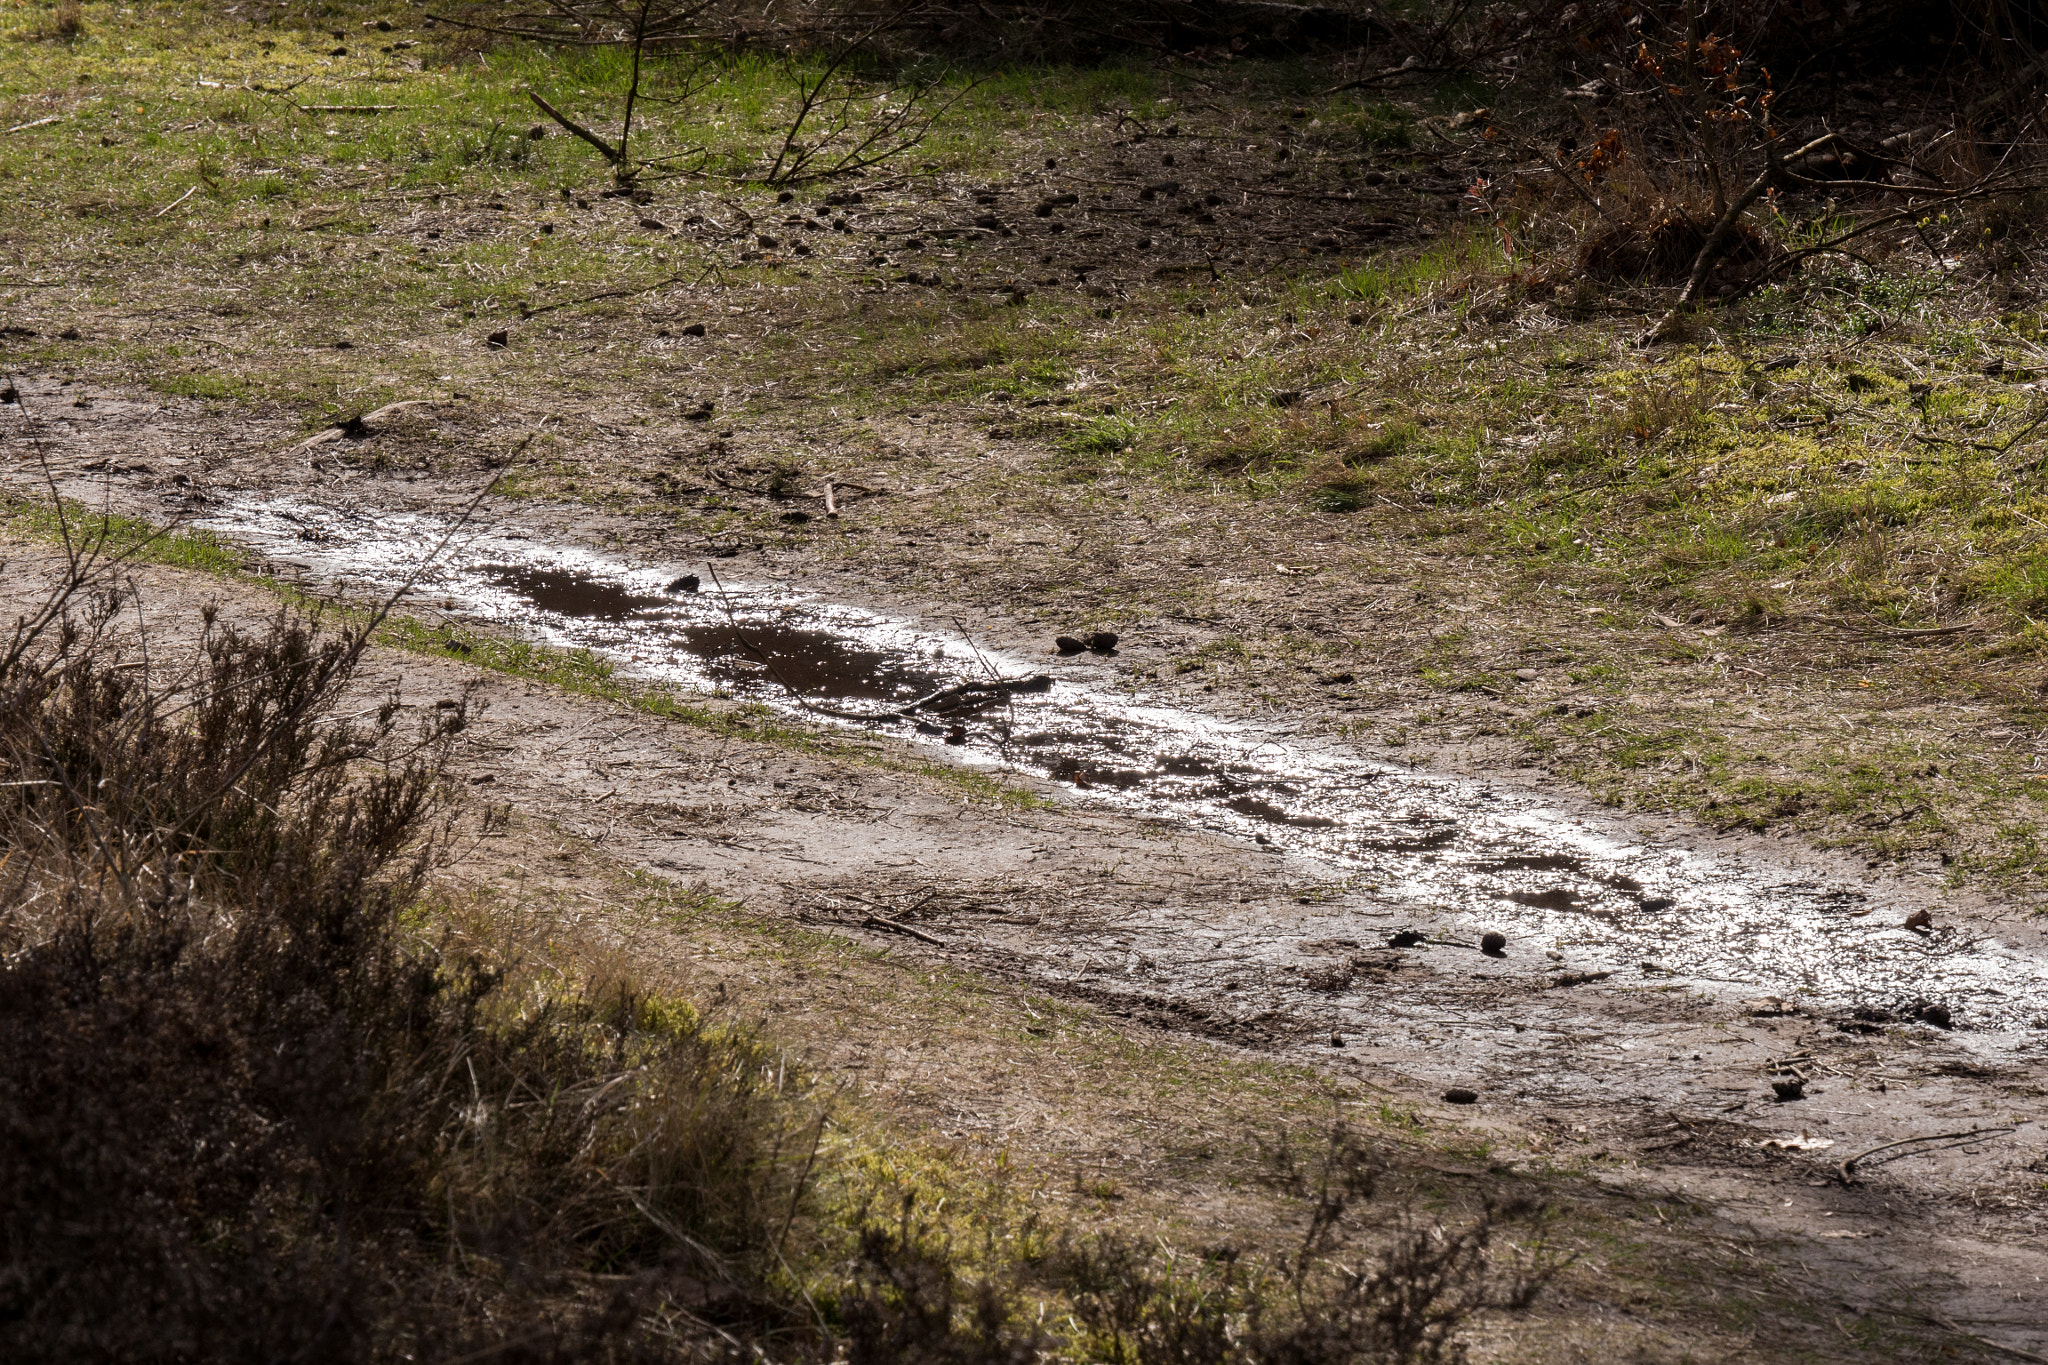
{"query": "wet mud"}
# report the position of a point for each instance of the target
(1450, 858)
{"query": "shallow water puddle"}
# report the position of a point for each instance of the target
(1459, 852)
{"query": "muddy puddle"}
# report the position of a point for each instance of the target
(1455, 856)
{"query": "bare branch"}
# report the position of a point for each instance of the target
(615, 155)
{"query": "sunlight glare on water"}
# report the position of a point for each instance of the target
(1456, 847)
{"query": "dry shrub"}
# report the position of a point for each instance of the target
(69, 20)
(247, 1112)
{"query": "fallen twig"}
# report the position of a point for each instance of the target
(365, 425)
(877, 922)
(2017, 1352)
(1874, 632)
(702, 275)
(1848, 1165)
(615, 155)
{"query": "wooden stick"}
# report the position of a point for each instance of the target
(346, 108)
(615, 155)
(831, 507)
(877, 922)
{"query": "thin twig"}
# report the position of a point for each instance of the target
(894, 926)
(175, 202)
(677, 278)
(1848, 1164)
(615, 155)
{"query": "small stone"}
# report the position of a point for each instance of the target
(1103, 642)
(1067, 644)
(1494, 944)
(68, 334)
(766, 242)
(1789, 1089)
(656, 225)
(687, 583)
(695, 329)
(1920, 921)
(1406, 938)
(1526, 675)
(498, 340)
(957, 735)
(1458, 1094)
(1336, 1040)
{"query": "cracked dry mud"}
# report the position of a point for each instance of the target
(1657, 976)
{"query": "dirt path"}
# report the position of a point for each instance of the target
(1654, 1083)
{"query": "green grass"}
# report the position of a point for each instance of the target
(1675, 478)
(116, 537)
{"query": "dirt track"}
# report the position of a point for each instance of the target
(1638, 1077)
